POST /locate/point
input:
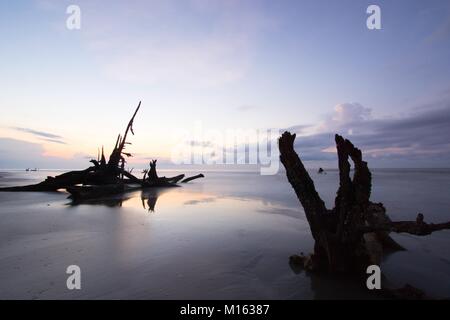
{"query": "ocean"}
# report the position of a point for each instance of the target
(227, 236)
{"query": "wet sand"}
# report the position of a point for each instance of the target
(227, 236)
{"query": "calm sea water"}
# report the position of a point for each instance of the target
(226, 236)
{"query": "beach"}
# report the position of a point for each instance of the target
(227, 236)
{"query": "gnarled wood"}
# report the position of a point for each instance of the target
(355, 232)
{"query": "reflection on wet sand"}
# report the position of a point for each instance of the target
(147, 199)
(228, 239)
(150, 196)
(113, 201)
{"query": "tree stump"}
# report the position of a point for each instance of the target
(355, 233)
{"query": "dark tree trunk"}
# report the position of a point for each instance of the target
(353, 234)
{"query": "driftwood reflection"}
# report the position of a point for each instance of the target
(148, 198)
(113, 201)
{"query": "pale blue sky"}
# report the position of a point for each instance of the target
(229, 64)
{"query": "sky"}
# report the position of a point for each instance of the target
(312, 67)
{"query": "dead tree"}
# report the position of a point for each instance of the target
(101, 173)
(116, 158)
(105, 177)
(354, 234)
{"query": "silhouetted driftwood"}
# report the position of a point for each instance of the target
(193, 178)
(104, 177)
(354, 234)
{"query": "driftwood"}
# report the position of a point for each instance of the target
(102, 173)
(355, 233)
(152, 175)
(193, 178)
(104, 177)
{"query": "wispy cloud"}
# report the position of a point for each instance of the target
(53, 141)
(210, 43)
(38, 133)
(43, 135)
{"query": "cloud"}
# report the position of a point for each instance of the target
(42, 135)
(299, 129)
(420, 136)
(350, 112)
(23, 154)
(53, 141)
(197, 44)
(38, 133)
